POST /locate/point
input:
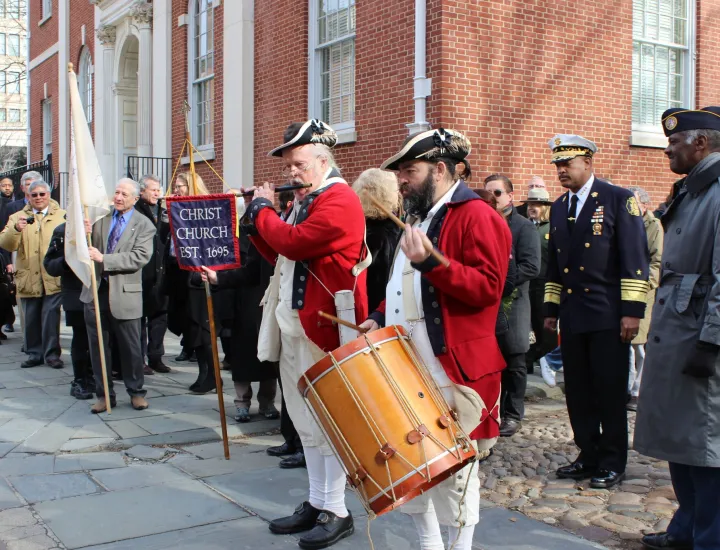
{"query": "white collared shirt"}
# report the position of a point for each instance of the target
(43, 212)
(395, 309)
(582, 195)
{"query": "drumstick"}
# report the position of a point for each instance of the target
(341, 322)
(428, 246)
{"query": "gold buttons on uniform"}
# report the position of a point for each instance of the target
(569, 290)
(587, 245)
(587, 290)
(559, 250)
(566, 270)
(582, 268)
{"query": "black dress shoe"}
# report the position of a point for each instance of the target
(660, 541)
(184, 356)
(606, 479)
(328, 530)
(55, 363)
(304, 519)
(296, 460)
(30, 363)
(577, 470)
(285, 449)
(509, 427)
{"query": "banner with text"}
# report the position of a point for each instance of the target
(203, 231)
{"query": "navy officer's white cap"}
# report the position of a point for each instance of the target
(568, 146)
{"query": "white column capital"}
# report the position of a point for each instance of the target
(107, 35)
(142, 13)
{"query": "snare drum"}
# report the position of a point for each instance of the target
(385, 418)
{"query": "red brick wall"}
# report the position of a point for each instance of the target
(179, 50)
(47, 72)
(509, 74)
(82, 13)
(41, 38)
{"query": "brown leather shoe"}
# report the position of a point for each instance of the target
(139, 403)
(101, 406)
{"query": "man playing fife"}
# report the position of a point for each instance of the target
(678, 417)
(315, 251)
(450, 312)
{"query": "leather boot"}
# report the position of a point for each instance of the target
(202, 374)
(303, 519)
(101, 406)
(328, 530)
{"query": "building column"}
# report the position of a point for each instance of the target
(63, 105)
(105, 126)
(162, 80)
(142, 14)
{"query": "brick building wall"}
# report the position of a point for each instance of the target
(509, 74)
(82, 14)
(45, 35)
(46, 72)
(179, 52)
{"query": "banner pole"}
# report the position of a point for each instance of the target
(101, 345)
(216, 369)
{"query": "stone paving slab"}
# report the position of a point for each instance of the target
(20, 530)
(22, 466)
(272, 492)
(144, 452)
(135, 513)
(19, 429)
(89, 461)
(144, 475)
(243, 534)
(126, 429)
(43, 488)
(5, 448)
(8, 498)
(211, 467)
(85, 445)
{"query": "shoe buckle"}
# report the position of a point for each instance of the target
(323, 518)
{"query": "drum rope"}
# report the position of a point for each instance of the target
(338, 434)
(461, 504)
(368, 418)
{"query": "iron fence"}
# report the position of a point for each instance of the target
(43, 167)
(137, 167)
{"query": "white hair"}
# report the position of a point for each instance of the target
(641, 194)
(713, 137)
(32, 175)
(325, 151)
(147, 178)
(39, 183)
(135, 185)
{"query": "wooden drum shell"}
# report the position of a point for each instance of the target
(362, 411)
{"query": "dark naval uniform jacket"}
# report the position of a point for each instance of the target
(599, 272)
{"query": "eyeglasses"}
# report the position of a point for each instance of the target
(498, 192)
(35, 195)
(301, 168)
(535, 186)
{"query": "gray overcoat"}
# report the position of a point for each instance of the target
(678, 416)
(526, 246)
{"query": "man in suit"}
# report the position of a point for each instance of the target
(122, 244)
(597, 283)
(515, 343)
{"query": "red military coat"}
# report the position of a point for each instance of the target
(330, 240)
(478, 243)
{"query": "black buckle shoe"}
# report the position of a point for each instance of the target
(281, 450)
(296, 460)
(606, 479)
(304, 519)
(661, 541)
(509, 427)
(577, 470)
(328, 530)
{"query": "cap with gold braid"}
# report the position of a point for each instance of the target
(568, 146)
(682, 120)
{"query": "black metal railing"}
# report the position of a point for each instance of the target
(43, 167)
(137, 167)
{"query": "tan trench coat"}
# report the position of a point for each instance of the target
(31, 244)
(654, 231)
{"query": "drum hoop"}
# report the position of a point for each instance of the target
(414, 473)
(351, 356)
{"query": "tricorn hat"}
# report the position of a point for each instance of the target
(304, 133)
(429, 145)
(681, 120)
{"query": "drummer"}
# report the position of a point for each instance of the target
(316, 249)
(449, 311)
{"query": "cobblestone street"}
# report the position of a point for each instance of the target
(520, 476)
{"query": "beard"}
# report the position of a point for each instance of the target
(420, 201)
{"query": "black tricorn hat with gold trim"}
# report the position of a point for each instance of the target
(305, 133)
(429, 145)
(682, 120)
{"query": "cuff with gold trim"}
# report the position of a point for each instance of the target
(552, 293)
(634, 290)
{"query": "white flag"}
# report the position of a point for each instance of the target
(86, 189)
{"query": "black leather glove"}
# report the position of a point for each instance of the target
(702, 360)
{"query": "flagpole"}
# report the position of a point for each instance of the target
(210, 308)
(101, 343)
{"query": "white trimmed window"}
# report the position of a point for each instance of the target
(663, 64)
(12, 82)
(331, 92)
(46, 8)
(201, 55)
(47, 127)
(85, 84)
(3, 115)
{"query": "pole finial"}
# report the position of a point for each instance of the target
(70, 67)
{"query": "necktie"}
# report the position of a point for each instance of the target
(114, 236)
(572, 213)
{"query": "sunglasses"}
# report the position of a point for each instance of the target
(498, 192)
(35, 195)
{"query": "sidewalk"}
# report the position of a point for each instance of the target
(143, 479)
